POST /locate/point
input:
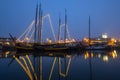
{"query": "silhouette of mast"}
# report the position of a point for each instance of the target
(40, 25)
(90, 61)
(36, 24)
(65, 35)
(89, 32)
(59, 29)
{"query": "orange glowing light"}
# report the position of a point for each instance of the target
(86, 40)
(113, 40)
(73, 40)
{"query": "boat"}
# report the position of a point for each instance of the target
(97, 46)
(51, 47)
(56, 49)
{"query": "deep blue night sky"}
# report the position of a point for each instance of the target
(16, 15)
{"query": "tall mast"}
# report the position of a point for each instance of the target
(89, 32)
(59, 29)
(65, 35)
(40, 25)
(35, 23)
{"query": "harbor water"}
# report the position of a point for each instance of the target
(86, 65)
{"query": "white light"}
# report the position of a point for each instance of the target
(104, 36)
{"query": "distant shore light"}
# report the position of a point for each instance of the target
(105, 36)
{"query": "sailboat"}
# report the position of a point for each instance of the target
(26, 46)
(57, 46)
(97, 46)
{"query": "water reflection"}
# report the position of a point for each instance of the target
(104, 55)
(58, 66)
(36, 67)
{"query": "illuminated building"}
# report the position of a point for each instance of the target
(103, 39)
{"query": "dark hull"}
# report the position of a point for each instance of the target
(24, 49)
(51, 49)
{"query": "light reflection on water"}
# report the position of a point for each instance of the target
(87, 65)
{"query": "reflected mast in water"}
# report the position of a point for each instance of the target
(25, 67)
(60, 67)
(32, 65)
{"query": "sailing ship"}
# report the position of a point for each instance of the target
(38, 45)
(103, 45)
(53, 47)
